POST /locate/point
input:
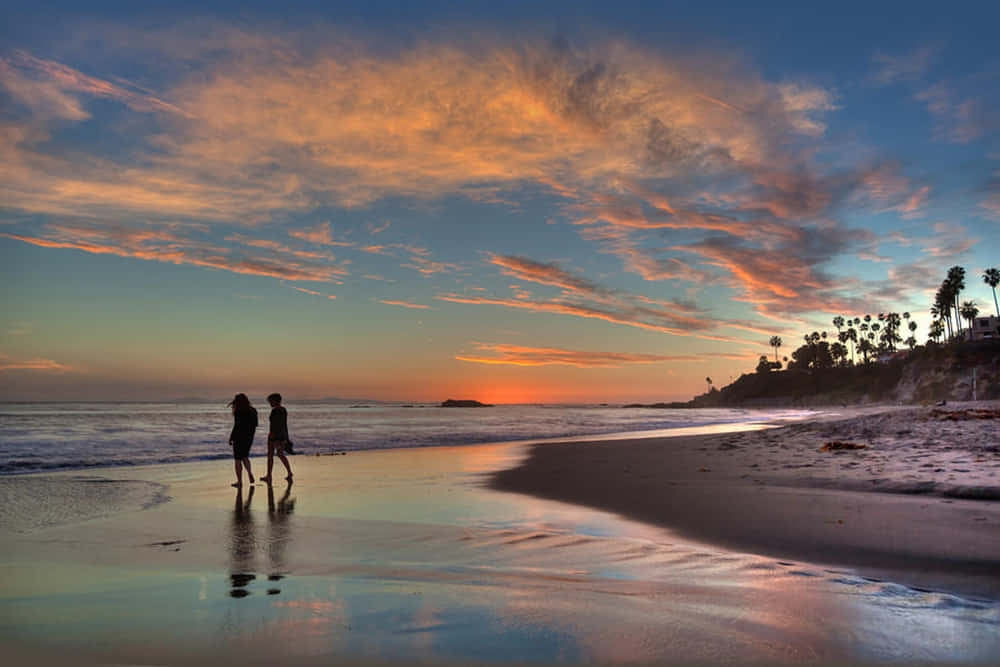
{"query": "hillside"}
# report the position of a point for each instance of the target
(926, 375)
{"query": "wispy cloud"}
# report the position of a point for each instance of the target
(48, 365)
(949, 240)
(404, 304)
(520, 355)
(911, 66)
(542, 273)
(52, 89)
(162, 245)
(321, 234)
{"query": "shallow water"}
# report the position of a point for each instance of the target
(58, 436)
(404, 555)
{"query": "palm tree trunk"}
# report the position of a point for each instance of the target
(995, 301)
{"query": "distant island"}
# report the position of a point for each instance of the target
(464, 403)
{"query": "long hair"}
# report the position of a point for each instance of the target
(240, 403)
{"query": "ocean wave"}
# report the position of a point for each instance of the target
(48, 437)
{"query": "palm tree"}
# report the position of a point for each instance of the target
(865, 347)
(956, 281)
(942, 306)
(852, 335)
(992, 278)
(969, 312)
(838, 322)
(709, 381)
(936, 330)
(775, 343)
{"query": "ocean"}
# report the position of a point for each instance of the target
(38, 437)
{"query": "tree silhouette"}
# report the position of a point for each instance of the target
(956, 283)
(775, 343)
(852, 335)
(969, 312)
(992, 278)
(936, 330)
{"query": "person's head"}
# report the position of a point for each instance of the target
(239, 403)
(274, 399)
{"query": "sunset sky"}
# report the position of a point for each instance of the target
(514, 202)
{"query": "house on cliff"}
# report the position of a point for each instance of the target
(984, 328)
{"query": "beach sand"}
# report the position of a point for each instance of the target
(411, 556)
(919, 504)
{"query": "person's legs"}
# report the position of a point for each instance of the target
(270, 461)
(246, 464)
(239, 473)
(288, 468)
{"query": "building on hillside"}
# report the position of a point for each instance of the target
(886, 357)
(984, 328)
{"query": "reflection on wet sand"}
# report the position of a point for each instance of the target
(242, 545)
(278, 520)
(243, 542)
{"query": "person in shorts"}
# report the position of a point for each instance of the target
(277, 437)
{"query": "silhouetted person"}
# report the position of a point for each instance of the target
(242, 546)
(241, 437)
(277, 437)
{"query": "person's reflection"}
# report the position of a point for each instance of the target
(242, 545)
(278, 518)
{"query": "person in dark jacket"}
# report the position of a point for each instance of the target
(277, 437)
(241, 437)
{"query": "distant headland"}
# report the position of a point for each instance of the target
(464, 403)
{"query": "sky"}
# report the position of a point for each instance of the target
(515, 202)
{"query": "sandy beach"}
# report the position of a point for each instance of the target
(918, 503)
(724, 548)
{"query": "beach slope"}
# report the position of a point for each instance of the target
(918, 502)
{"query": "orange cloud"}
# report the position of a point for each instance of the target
(47, 87)
(404, 304)
(321, 234)
(519, 355)
(160, 246)
(542, 273)
(7, 364)
(614, 129)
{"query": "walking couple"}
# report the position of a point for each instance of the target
(244, 427)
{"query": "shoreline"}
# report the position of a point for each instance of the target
(919, 504)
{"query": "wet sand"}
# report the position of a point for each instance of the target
(408, 556)
(919, 503)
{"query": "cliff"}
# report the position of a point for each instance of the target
(926, 375)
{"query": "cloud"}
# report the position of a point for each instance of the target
(163, 245)
(949, 240)
(519, 355)
(784, 279)
(624, 310)
(8, 364)
(321, 234)
(499, 116)
(961, 118)
(637, 145)
(404, 304)
(903, 67)
(312, 292)
(53, 89)
(542, 273)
